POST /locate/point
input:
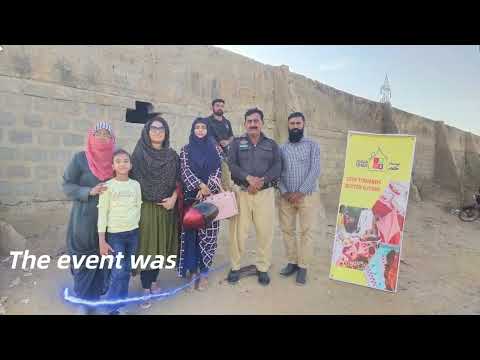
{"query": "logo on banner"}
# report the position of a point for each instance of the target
(377, 162)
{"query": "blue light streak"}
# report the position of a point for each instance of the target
(163, 295)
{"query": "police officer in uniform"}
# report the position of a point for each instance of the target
(255, 164)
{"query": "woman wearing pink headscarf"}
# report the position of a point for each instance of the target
(83, 181)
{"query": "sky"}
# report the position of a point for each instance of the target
(440, 82)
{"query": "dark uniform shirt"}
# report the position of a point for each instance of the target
(220, 130)
(260, 160)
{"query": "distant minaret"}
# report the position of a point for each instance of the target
(385, 92)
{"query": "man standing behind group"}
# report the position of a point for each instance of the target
(300, 171)
(221, 129)
(256, 165)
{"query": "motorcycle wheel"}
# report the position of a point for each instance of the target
(469, 214)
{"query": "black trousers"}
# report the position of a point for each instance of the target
(148, 277)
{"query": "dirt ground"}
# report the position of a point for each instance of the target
(439, 274)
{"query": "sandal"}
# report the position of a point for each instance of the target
(155, 289)
(203, 283)
(147, 303)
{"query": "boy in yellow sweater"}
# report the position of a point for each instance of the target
(119, 215)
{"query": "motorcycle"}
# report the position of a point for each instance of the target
(471, 212)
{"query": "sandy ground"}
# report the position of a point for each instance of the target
(439, 274)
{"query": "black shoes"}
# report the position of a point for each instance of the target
(263, 278)
(288, 270)
(291, 269)
(233, 276)
(301, 276)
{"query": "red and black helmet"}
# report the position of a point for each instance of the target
(199, 216)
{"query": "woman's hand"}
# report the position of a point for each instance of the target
(199, 195)
(204, 190)
(98, 189)
(169, 203)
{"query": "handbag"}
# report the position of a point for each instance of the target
(226, 203)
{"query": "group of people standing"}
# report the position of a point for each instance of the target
(134, 204)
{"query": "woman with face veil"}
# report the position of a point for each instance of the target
(83, 181)
(156, 167)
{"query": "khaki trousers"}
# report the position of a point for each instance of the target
(258, 209)
(298, 249)
(226, 177)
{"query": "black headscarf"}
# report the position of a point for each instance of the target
(202, 153)
(157, 170)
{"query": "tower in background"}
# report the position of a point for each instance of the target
(385, 92)
(389, 126)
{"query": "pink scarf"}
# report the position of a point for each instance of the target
(99, 156)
